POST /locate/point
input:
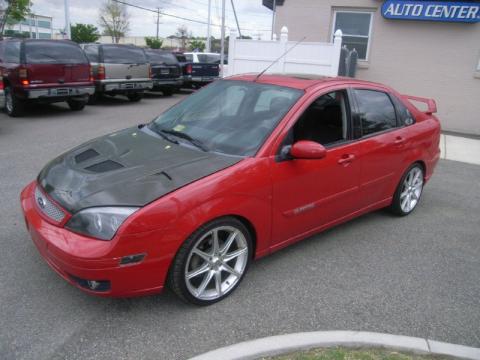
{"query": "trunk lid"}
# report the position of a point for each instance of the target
(124, 62)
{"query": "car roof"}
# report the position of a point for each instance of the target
(300, 81)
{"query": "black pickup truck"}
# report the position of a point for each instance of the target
(166, 71)
(195, 73)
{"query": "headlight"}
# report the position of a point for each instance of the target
(100, 222)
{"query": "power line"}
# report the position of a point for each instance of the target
(176, 16)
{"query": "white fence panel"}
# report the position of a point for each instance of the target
(253, 56)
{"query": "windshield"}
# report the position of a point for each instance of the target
(116, 54)
(161, 57)
(228, 116)
(53, 52)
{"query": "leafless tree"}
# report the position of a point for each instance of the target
(183, 34)
(114, 19)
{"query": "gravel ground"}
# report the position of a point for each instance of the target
(416, 276)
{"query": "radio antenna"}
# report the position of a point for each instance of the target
(281, 56)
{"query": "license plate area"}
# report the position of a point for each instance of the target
(129, 86)
(164, 71)
(61, 91)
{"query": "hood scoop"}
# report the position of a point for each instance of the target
(104, 166)
(86, 155)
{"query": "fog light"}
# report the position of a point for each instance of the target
(132, 259)
(93, 285)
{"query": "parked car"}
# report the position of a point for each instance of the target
(44, 71)
(2, 93)
(119, 70)
(236, 171)
(195, 73)
(210, 58)
(166, 71)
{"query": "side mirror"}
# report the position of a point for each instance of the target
(305, 149)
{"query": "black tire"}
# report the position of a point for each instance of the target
(14, 106)
(402, 188)
(178, 269)
(168, 91)
(135, 97)
(76, 105)
(93, 99)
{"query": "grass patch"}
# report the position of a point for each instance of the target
(355, 354)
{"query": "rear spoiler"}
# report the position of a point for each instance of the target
(432, 105)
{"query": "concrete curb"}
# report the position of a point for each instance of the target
(282, 344)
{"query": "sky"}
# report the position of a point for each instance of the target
(252, 16)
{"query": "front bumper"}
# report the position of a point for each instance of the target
(124, 86)
(56, 92)
(78, 258)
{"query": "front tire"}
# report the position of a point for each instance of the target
(14, 107)
(212, 262)
(409, 191)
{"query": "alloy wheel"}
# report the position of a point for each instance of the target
(411, 189)
(216, 263)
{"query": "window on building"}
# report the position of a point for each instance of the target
(44, 24)
(376, 111)
(44, 35)
(356, 27)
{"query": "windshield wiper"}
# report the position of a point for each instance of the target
(158, 131)
(187, 137)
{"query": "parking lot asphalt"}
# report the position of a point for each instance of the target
(416, 276)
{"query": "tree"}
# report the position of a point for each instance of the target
(13, 11)
(153, 42)
(114, 20)
(183, 34)
(196, 45)
(84, 33)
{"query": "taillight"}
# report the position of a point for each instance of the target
(91, 78)
(2, 86)
(101, 72)
(150, 75)
(189, 68)
(23, 75)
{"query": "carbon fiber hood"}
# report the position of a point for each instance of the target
(131, 167)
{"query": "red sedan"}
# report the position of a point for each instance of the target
(240, 169)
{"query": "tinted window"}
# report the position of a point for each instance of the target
(161, 57)
(92, 53)
(209, 58)
(189, 57)
(53, 52)
(376, 111)
(115, 54)
(181, 57)
(12, 52)
(405, 117)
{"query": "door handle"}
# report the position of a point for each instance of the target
(346, 159)
(399, 140)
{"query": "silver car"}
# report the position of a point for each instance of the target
(119, 70)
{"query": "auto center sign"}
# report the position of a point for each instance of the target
(447, 11)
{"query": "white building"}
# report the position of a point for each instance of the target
(34, 26)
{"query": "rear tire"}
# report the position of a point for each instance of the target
(93, 99)
(14, 107)
(212, 262)
(168, 92)
(76, 105)
(135, 97)
(409, 190)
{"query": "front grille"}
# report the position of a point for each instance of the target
(47, 207)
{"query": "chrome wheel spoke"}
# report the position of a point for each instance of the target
(412, 189)
(202, 254)
(206, 280)
(228, 243)
(234, 254)
(215, 246)
(230, 270)
(202, 269)
(218, 283)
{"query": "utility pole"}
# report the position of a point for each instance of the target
(236, 19)
(273, 16)
(158, 20)
(67, 19)
(222, 41)
(209, 22)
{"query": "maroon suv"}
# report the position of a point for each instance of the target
(45, 71)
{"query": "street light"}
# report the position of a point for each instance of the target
(67, 19)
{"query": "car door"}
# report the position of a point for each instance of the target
(312, 194)
(382, 145)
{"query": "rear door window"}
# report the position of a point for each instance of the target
(92, 53)
(53, 52)
(161, 57)
(189, 57)
(12, 52)
(115, 54)
(181, 58)
(376, 111)
(209, 58)
(405, 117)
